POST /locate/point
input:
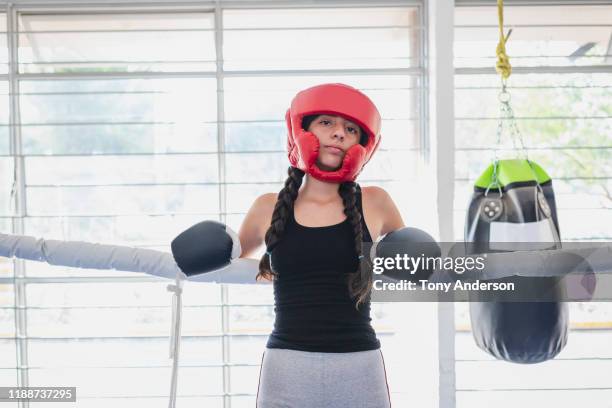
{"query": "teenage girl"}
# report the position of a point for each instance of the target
(323, 351)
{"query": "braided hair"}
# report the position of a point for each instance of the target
(280, 215)
(360, 282)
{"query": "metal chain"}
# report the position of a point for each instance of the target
(507, 114)
(504, 99)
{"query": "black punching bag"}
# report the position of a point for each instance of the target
(515, 214)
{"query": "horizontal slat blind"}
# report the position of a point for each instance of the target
(134, 124)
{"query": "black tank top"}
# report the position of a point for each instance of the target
(314, 311)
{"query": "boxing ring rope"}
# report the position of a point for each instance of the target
(79, 254)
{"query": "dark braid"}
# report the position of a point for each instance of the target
(282, 209)
(360, 282)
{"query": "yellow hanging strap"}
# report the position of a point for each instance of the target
(502, 66)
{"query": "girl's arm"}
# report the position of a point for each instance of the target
(391, 217)
(255, 224)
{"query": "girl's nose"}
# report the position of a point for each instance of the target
(339, 132)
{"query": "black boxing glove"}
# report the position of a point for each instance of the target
(400, 245)
(205, 247)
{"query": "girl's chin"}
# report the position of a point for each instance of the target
(326, 167)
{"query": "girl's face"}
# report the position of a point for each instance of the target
(335, 135)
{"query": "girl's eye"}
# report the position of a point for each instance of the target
(352, 130)
(325, 122)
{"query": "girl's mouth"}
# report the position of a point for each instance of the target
(334, 150)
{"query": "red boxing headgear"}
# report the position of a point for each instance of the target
(331, 99)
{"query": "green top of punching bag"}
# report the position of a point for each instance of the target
(512, 171)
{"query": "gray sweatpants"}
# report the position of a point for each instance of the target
(304, 379)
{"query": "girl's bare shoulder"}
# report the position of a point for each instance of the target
(268, 200)
(255, 223)
(264, 205)
(373, 196)
(377, 201)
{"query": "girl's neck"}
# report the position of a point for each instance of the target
(317, 190)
